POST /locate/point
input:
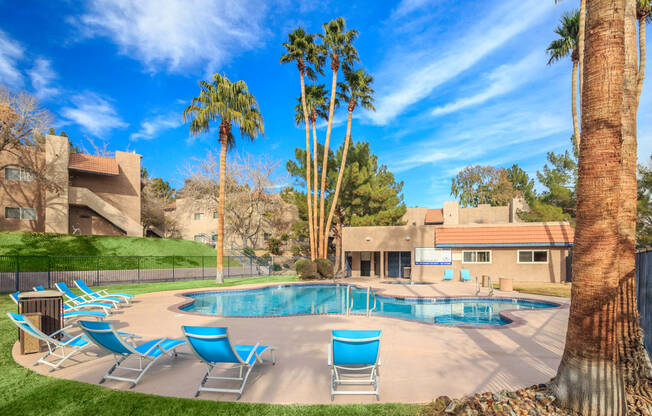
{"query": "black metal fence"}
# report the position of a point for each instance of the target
(24, 272)
(644, 293)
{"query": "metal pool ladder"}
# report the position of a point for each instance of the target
(349, 300)
(478, 286)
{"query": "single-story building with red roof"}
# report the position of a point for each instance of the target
(484, 240)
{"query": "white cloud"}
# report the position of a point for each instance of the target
(501, 80)
(10, 53)
(404, 86)
(153, 126)
(93, 113)
(176, 34)
(408, 6)
(42, 75)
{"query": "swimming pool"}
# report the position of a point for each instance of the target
(285, 300)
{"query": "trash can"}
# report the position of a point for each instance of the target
(506, 284)
(47, 306)
(407, 272)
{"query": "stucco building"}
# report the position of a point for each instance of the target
(84, 194)
(485, 240)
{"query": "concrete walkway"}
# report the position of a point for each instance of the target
(419, 361)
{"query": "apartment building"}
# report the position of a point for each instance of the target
(485, 240)
(83, 194)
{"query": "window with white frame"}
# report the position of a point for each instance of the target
(199, 216)
(215, 215)
(532, 256)
(18, 174)
(476, 256)
(200, 237)
(20, 213)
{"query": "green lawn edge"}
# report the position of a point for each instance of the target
(24, 392)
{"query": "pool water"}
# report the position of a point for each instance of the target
(285, 300)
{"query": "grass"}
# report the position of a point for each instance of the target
(34, 247)
(24, 392)
(561, 290)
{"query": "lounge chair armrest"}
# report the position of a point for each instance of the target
(253, 352)
(62, 330)
(330, 355)
(154, 346)
(73, 339)
(103, 292)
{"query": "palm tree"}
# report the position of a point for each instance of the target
(317, 108)
(339, 46)
(563, 46)
(233, 105)
(643, 16)
(301, 48)
(589, 379)
(356, 91)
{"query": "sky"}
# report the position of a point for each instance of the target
(457, 82)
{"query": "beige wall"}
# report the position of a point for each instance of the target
(21, 194)
(504, 263)
(89, 222)
(484, 214)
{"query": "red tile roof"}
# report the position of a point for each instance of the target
(434, 216)
(544, 234)
(93, 164)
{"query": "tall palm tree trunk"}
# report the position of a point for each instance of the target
(341, 172)
(576, 126)
(219, 274)
(323, 249)
(308, 193)
(314, 175)
(642, 56)
(633, 357)
(581, 34)
(589, 379)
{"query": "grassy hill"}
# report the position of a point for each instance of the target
(37, 244)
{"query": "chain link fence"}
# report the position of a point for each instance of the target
(24, 272)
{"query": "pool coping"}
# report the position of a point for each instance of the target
(515, 321)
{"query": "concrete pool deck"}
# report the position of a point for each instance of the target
(419, 361)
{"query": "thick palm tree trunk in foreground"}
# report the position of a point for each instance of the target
(219, 275)
(589, 379)
(633, 358)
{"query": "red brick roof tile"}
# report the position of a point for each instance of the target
(93, 164)
(544, 234)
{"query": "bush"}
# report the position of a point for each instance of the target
(306, 269)
(276, 268)
(324, 268)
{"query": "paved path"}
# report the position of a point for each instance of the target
(420, 361)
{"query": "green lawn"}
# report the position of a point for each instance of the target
(562, 290)
(23, 392)
(34, 247)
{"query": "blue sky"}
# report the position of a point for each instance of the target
(457, 82)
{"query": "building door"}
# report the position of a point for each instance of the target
(396, 260)
(349, 265)
(365, 267)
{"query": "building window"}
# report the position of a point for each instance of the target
(18, 174)
(483, 256)
(215, 215)
(199, 216)
(532, 256)
(200, 237)
(20, 213)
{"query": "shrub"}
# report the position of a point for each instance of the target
(324, 268)
(306, 269)
(274, 246)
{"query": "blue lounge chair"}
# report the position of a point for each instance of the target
(448, 274)
(120, 345)
(79, 307)
(70, 312)
(102, 293)
(61, 344)
(77, 300)
(465, 275)
(213, 346)
(354, 358)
